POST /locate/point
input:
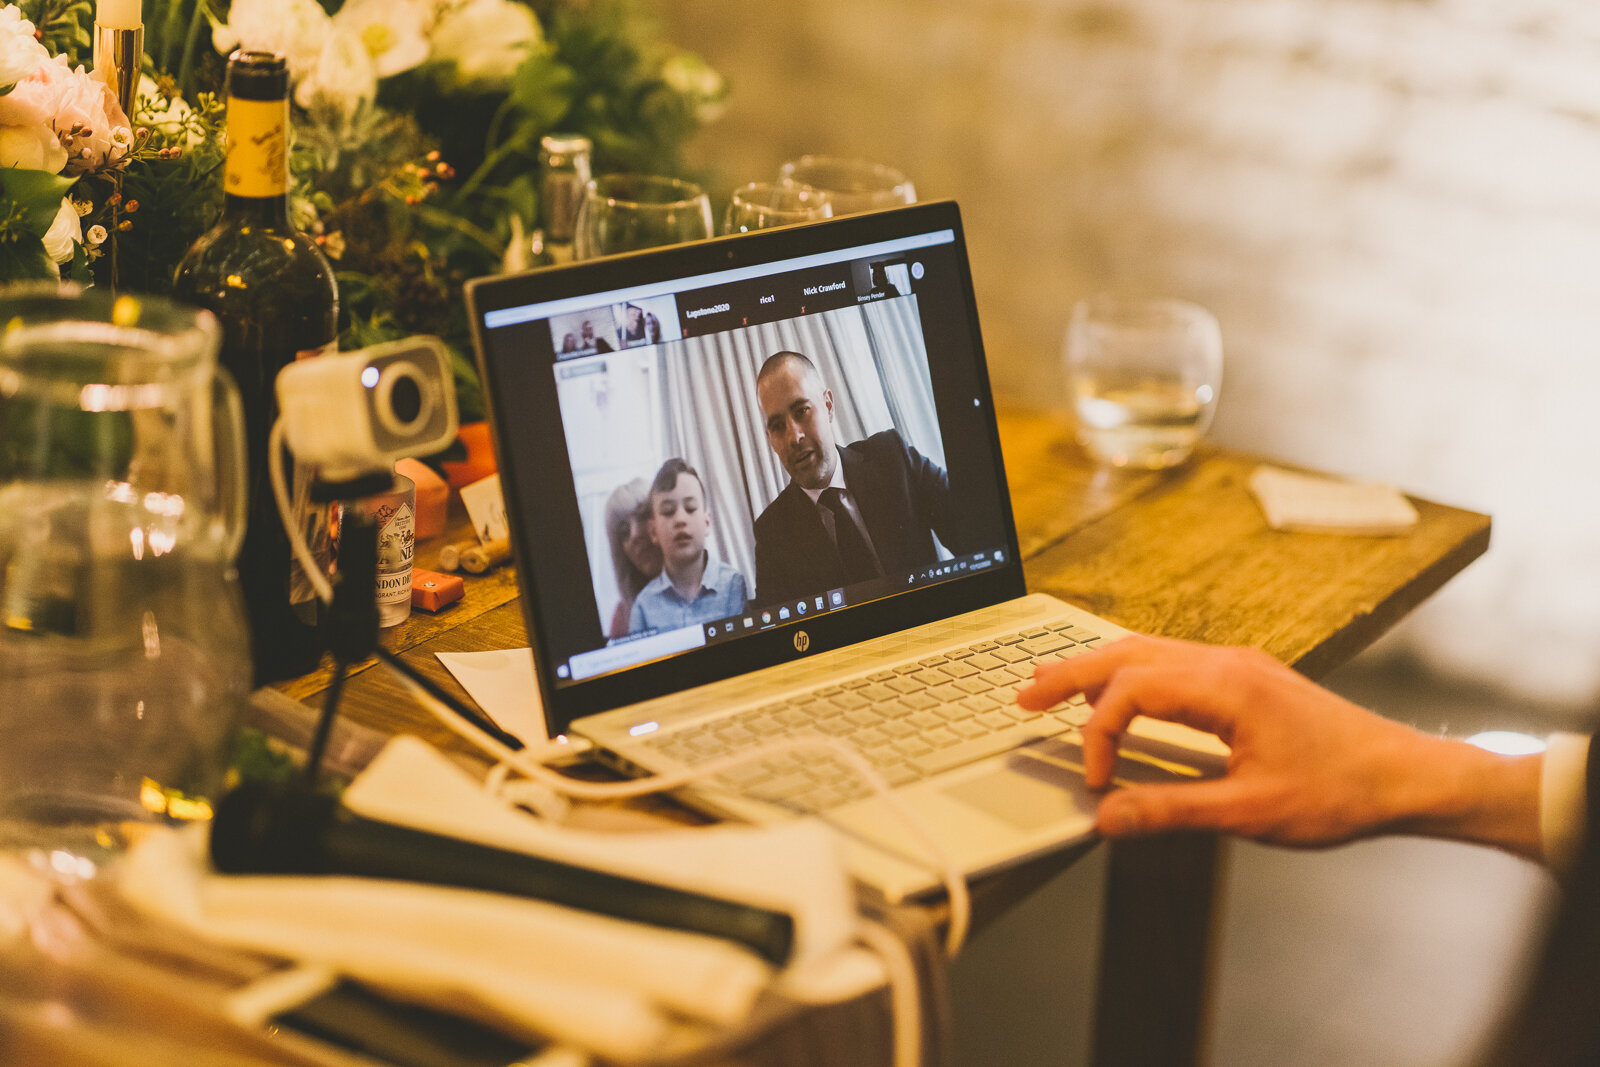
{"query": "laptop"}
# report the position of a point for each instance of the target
(755, 492)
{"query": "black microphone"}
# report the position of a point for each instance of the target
(266, 829)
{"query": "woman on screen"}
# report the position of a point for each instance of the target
(635, 558)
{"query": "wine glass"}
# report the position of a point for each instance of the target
(627, 212)
(1144, 376)
(852, 185)
(762, 205)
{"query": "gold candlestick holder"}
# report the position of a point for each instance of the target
(118, 61)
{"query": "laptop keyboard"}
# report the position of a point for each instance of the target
(909, 722)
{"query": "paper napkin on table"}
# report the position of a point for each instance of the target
(503, 683)
(1315, 504)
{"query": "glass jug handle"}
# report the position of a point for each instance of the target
(233, 475)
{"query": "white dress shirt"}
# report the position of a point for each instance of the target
(1563, 800)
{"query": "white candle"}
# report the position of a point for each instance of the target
(119, 14)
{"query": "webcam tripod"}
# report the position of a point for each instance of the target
(350, 630)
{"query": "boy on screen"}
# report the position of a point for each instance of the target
(692, 588)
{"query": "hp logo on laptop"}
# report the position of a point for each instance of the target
(802, 640)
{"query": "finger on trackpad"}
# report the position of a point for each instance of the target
(1027, 793)
(1134, 766)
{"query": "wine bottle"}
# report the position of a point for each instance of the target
(274, 293)
(564, 162)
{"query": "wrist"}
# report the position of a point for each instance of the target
(1459, 791)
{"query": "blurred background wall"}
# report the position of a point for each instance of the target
(1393, 206)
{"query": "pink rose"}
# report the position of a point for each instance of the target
(70, 102)
(36, 97)
(91, 124)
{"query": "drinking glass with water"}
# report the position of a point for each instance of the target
(1143, 375)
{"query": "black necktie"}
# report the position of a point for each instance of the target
(860, 564)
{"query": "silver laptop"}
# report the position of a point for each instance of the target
(756, 493)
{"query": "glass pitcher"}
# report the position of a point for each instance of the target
(124, 654)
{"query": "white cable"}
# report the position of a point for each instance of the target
(905, 1008)
(954, 883)
(297, 541)
(537, 797)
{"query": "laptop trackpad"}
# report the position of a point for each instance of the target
(1042, 782)
(1039, 786)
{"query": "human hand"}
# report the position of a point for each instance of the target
(1308, 768)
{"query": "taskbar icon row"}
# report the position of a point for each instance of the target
(755, 620)
(955, 568)
(775, 615)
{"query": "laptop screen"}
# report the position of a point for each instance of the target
(724, 455)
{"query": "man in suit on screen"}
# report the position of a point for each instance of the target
(849, 514)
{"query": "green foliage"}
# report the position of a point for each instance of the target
(64, 27)
(410, 196)
(621, 97)
(29, 200)
(257, 758)
(174, 198)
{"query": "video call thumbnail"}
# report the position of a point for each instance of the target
(614, 327)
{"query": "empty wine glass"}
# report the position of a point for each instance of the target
(852, 185)
(762, 205)
(626, 212)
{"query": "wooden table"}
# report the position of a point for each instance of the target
(1183, 553)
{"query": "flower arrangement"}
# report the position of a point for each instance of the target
(416, 126)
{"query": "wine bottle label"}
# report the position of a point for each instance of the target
(396, 516)
(258, 148)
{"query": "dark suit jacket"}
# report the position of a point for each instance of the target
(1558, 1021)
(904, 498)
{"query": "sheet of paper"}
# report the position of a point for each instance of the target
(486, 508)
(503, 684)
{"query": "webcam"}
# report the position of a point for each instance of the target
(356, 413)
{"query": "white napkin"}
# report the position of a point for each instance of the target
(1314, 504)
(503, 683)
(792, 867)
(620, 989)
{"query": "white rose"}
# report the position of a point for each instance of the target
(295, 29)
(20, 51)
(31, 148)
(394, 32)
(485, 40)
(343, 80)
(64, 232)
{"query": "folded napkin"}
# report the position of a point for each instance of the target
(793, 866)
(1311, 503)
(622, 990)
(535, 970)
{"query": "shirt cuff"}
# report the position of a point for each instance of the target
(1563, 800)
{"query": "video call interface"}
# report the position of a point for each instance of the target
(766, 447)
